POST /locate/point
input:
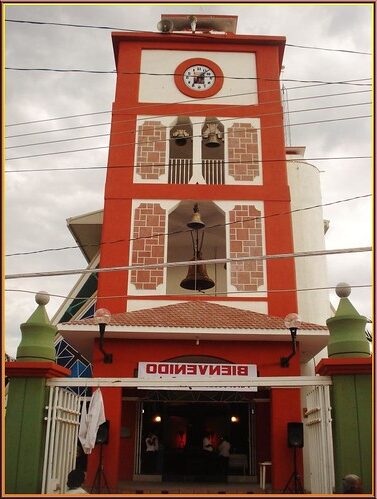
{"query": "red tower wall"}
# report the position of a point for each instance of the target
(121, 190)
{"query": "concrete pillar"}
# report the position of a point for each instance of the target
(350, 365)
(27, 398)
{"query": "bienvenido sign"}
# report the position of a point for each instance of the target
(197, 371)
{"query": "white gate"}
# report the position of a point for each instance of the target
(319, 435)
(63, 420)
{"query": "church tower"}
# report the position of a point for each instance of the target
(197, 131)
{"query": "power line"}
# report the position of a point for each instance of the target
(187, 263)
(201, 100)
(114, 72)
(83, 299)
(56, 70)
(84, 168)
(183, 33)
(185, 101)
(165, 115)
(322, 108)
(249, 219)
(327, 49)
(139, 107)
(158, 140)
(74, 25)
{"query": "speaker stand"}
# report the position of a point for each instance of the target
(294, 484)
(100, 474)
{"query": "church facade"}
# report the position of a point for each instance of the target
(203, 213)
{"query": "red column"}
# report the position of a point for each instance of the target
(285, 408)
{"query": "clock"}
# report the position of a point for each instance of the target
(199, 77)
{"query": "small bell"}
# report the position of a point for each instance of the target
(213, 135)
(196, 222)
(213, 141)
(180, 136)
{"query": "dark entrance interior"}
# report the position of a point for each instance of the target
(181, 426)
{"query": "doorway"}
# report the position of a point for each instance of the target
(180, 427)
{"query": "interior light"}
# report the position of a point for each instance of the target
(157, 419)
(235, 419)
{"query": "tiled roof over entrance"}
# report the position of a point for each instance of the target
(198, 314)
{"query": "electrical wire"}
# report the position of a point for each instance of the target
(327, 49)
(248, 219)
(74, 25)
(141, 73)
(181, 114)
(201, 100)
(183, 33)
(56, 273)
(95, 296)
(238, 162)
(159, 140)
(113, 133)
(115, 72)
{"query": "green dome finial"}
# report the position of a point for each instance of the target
(38, 334)
(347, 328)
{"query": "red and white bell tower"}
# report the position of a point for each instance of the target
(197, 169)
(197, 119)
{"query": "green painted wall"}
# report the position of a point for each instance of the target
(363, 385)
(352, 434)
(25, 428)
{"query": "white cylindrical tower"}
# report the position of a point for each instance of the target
(309, 229)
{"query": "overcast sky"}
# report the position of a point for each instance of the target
(38, 203)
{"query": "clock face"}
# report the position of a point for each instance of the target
(199, 77)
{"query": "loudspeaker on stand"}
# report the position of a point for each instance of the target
(295, 435)
(103, 433)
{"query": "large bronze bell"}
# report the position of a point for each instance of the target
(197, 277)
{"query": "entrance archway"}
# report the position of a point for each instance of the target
(181, 425)
(181, 419)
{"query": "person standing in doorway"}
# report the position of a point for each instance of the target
(151, 443)
(209, 461)
(207, 443)
(224, 453)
